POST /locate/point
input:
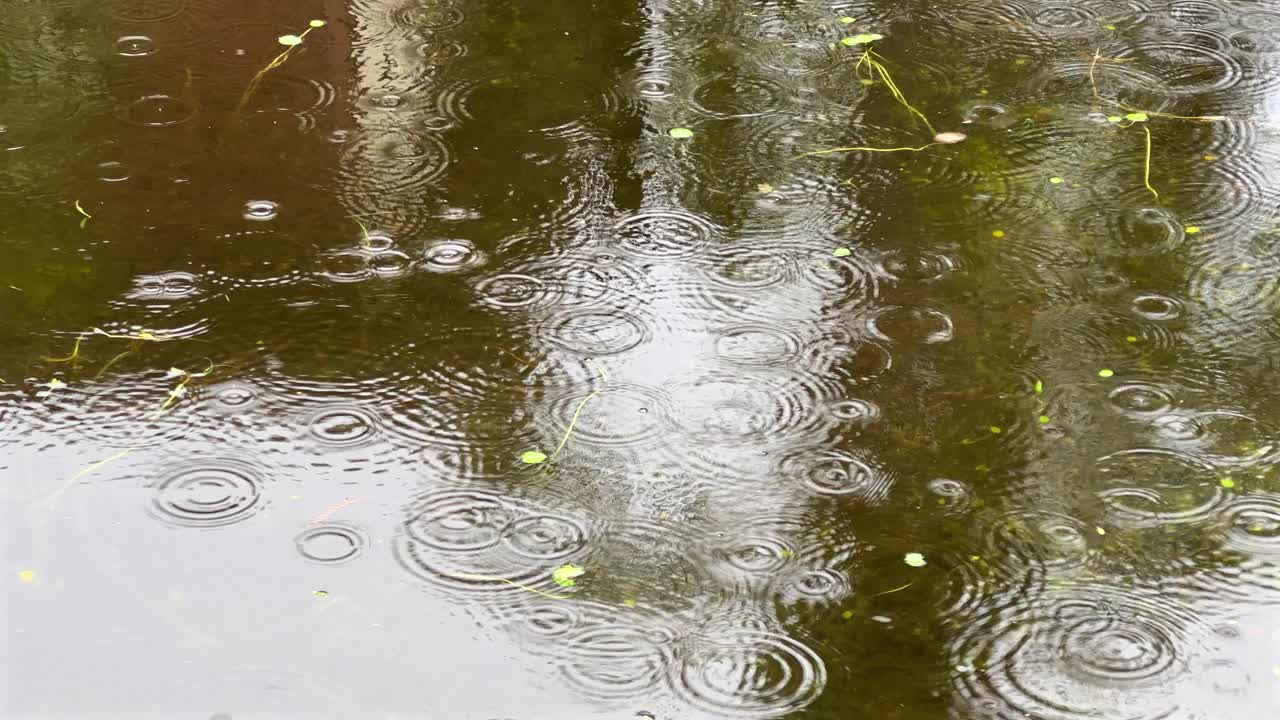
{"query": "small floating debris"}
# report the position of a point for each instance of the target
(950, 138)
(861, 39)
(565, 574)
(680, 133)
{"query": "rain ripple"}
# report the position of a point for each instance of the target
(1080, 651)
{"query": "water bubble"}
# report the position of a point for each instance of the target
(1082, 651)
(1141, 399)
(460, 521)
(330, 543)
(738, 96)
(1146, 487)
(135, 46)
(738, 408)
(260, 210)
(210, 493)
(859, 413)
(909, 324)
(743, 673)
(595, 333)
(546, 537)
(757, 345)
(233, 397)
(158, 111)
(513, 290)
(614, 662)
(1031, 541)
(342, 425)
(663, 233)
(112, 171)
(448, 256)
(1253, 524)
(953, 495)
(837, 472)
(1153, 306)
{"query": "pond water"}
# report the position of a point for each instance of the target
(672, 359)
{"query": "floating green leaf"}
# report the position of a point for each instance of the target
(1114, 118)
(289, 40)
(533, 457)
(1106, 373)
(316, 23)
(861, 39)
(565, 574)
(1191, 229)
(997, 233)
(1056, 180)
(1227, 483)
(1044, 420)
(680, 133)
(1136, 117)
(1039, 387)
(914, 559)
(842, 252)
(847, 20)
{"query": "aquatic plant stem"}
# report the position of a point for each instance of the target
(365, 241)
(887, 592)
(75, 353)
(87, 216)
(1146, 169)
(604, 378)
(866, 149)
(876, 67)
(276, 62)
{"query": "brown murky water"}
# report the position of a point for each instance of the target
(971, 430)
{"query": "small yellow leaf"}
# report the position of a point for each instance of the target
(289, 40)
(764, 188)
(316, 23)
(27, 576)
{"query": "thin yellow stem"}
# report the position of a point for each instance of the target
(75, 353)
(886, 592)
(604, 378)
(866, 149)
(1146, 170)
(1171, 116)
(276, 62)
(366, 241)
(892, 87)
(113, 361)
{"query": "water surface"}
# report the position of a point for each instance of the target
(970, 430)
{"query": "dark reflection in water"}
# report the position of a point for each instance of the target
(983, 429)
